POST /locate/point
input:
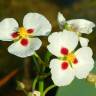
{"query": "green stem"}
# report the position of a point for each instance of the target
(41, 87)
(45, 75)
(27, 80)
(48, 89)
(34, 83)
(36, 63)
(25, 92)
(47, 57)
(40, 60)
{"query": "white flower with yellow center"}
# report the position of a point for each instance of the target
(70, 63)
(25, 42)
(78, 26)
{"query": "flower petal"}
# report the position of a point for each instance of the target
(61, 20)
(34, 93)
(59, 40)
(23, 51)
(37, 22)
(83, 41)
(59, 76)
(85, 62)
(7, 27)
(82, 25)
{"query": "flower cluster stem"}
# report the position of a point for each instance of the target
(41, 87)
(34, 83)
(40, 60)
(27, 80)
(48, 89)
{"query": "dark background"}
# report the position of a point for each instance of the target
(71, 9)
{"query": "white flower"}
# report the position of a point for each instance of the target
(78, 26)
(25, 42)
(34, 93)
(61, 20)
(69, 63)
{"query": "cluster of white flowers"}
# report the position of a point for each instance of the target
(70, 62)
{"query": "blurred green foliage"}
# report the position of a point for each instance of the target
(77, 88)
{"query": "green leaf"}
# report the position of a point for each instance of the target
(77, 88)
(47, 56)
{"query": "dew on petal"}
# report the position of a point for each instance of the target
(15, 34)
(64, 65)
(30, 31)
(75, 61)
(64, 51)
(24, 42)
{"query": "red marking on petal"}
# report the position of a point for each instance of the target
(64, 65)
(15, 34)
(75, 61)
(64, 51)
(24, 42)
(30, 31)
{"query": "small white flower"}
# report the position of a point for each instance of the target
(25, 44)
(61, 20)
(70, 63)
(78, 26)
(20, 85)
(34, 93)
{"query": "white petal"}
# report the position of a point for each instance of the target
(61, 20)
(37, 22)
(54, 49)
(82, 25)
(84, 53)
(61, 77)
(83, 41)
(7, 27)
(59, 40)
(85, 62)
(24, 51)
(34, 93)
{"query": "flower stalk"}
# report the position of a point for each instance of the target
(48, 89)
(27, 80)
(40, 60)
(41, 87)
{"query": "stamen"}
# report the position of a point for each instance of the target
(15, 34)
(24, 42)
(64, 51)
(64, 65)
(23, 32)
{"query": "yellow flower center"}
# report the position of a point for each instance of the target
(70, 57)
(22, 32)
(71, 28)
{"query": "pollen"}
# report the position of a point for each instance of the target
(71, 58)
(23, 32)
